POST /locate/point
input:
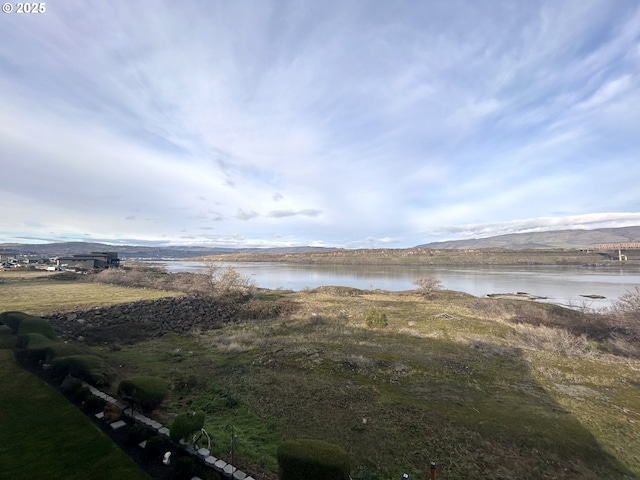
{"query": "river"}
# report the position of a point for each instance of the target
(565, 285)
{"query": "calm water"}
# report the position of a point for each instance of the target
(561, 284)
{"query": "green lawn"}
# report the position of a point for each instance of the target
(37, 293)
(43, 436)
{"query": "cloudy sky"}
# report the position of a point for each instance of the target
(346, 123)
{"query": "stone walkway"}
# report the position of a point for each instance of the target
(218, 465)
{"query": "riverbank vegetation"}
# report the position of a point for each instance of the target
(427, 256)
(487, 388)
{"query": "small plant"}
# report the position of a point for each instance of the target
(183, 468)
(136, 434)
(93, 403)
(154, 447)
(70, 385)
(80, 394)
(375, 319)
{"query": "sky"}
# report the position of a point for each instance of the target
(356, 124)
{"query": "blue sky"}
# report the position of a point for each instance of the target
(346, 123)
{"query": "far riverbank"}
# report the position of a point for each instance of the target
(433, 257)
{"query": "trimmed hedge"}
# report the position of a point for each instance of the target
(36, 342)
(144, 392)
(86, 367)
(312, 460)
(185, 424)
(22, 323)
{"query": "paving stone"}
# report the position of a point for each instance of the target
(143, 444)
(164, 431)
(210, 460)
(228, 469)
(118, 424)
(239, 475)
(219, 465)
(203, 452)
(155, 425)
(100, 415)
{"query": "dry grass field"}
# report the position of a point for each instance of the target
(488, 388)
(40, 292)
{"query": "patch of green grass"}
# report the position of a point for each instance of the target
(44, 436)
(37, 294)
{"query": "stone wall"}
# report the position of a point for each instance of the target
(133, 322)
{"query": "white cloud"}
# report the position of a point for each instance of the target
(370, 122)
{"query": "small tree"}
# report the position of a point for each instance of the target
(428, 286)
(627, 312)
(225, 281)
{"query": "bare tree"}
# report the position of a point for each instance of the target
(428, 285)
(223, 281)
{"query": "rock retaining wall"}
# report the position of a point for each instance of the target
(133, 322)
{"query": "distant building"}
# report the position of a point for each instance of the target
(92, 261)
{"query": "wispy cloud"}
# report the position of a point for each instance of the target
(358, 123)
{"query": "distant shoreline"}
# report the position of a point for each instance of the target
(424, 256)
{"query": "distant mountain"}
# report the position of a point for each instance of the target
(545, 240)
(136, 251)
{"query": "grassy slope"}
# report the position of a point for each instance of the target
(439, 383)
(447, 380)
(44, 436)
(37, 294)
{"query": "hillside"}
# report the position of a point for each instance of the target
(545, 240)
(135, 251)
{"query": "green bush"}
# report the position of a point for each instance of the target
(312, 460)
(59, 349)
(23, 323)
(186, 424)
(93, 403)
(36, 343)
(154, 447)
(183, 468)
(86, 367)
(70, 385)
(80, 394)
(144, 392)
(137, 434)
(375, 318)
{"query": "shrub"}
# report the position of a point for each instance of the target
(59, 349)
(154, 447)
(93, 403)
(70, 385)
(183, 468)
(36, 343)
(428, 286)
(144, 392)
(80, 394)
(375, 319)
(136, 434)
(312, 460)
(23, 323)
(86, 367)
(186, 424)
